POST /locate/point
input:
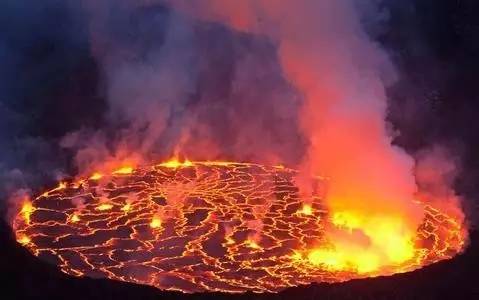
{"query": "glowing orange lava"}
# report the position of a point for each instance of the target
(218, 226)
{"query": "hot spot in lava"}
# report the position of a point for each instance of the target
(216, 226)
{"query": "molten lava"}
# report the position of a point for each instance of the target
(220, 226)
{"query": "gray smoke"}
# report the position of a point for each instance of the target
(164, 83)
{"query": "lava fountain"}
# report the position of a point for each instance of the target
(214, 226)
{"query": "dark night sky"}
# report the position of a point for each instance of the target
(435, 46)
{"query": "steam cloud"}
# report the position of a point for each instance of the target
(307, 88)
(178, 85)
(293, 82)
(341, 74)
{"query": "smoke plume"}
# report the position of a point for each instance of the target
(341, 75)
(299, 83)
(177, 85)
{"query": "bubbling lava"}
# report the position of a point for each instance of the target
(214, 226)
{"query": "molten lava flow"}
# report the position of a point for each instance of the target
(306, 209)
(156, 222)
(26, 211)
(123, 170)
(96, 176)
(175, 163)
(220, 226)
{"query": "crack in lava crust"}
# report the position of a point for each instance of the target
(202, 226)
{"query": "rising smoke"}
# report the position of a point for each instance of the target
(292, 82)
(341, 75)
(176, 85)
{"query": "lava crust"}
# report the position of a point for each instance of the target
(201, 226)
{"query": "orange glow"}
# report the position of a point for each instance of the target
(174, 163)
(75, 218)
(78, 183)
(346, 220)
(123, 170)
(208, 218)
(337, 260)
(24, 240)
(330, 259)
(229, 240)
(96, 176)
(27, 210)
(344, 259)
(104, 206)
(155, 222)
(386, 240)
(126, 207)
(253, 244)
(306, 210)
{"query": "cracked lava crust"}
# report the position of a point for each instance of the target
(204, 226)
